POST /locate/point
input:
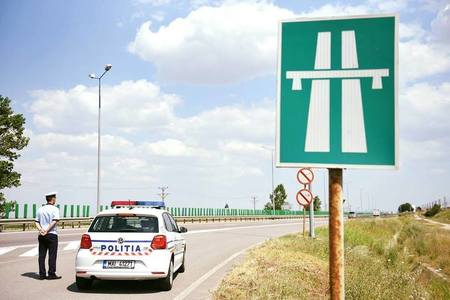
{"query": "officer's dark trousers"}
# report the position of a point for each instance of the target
(48, 242)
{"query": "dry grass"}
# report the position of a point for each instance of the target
(443, 216)
(276, 270)
(384, 260)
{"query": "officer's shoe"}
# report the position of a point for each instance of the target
(42, 277)
(53, 276)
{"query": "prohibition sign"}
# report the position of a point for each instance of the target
(304, 197)
(305, 176)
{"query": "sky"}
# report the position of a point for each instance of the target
(190, 101)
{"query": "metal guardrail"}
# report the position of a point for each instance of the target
(27, 224)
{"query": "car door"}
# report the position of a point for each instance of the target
(179, 242)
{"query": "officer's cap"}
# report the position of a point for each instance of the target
(50, 195)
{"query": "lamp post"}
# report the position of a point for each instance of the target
(92, 76)
(273, 188)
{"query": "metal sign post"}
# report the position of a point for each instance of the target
(336, 236)
(305, 176)
(304, 221)
(312, 233)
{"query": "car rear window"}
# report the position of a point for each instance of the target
(124, 224)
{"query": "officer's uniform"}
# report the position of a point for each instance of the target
(45, 216)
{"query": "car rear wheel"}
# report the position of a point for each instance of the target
(166, 283)
(83, 283)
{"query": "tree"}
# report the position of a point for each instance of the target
(12, 139)
(405, 207)
(280, 197)
(433, 211)
(317, 204)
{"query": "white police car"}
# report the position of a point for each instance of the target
(135, 240)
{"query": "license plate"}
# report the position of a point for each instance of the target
(118, 264)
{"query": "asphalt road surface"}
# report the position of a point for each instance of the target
(212, 249)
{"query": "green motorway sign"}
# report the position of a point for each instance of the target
(337, 93)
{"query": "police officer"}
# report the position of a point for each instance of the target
(46, 218)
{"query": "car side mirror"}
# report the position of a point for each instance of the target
(182, 229)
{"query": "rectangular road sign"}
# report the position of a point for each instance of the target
(337, 92)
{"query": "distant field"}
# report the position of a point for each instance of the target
(396, 258)
(443, 216)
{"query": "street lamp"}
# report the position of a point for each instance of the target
(273, 188)
(92, 76)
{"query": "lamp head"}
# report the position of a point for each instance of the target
(92, 76)
(108, 67)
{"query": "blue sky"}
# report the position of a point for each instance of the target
(190, 99)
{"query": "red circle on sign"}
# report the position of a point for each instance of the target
(305, 176)
(304, 197)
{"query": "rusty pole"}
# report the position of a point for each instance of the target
(304, 221)
(336, 238)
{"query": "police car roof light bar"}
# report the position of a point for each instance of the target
(130, 203)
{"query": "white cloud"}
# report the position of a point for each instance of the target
(420, 59)
(231, 42)
(252, 123)
(171, 147)
(331, 10)
(215, 148)
(154, 2)
(205, 47)
(424, 112)
(130, 106)
(441, 25)
(389, 6)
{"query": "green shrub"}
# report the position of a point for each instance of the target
(434, 210)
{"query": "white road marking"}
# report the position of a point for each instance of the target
(34, 245)
(4, 250)
(202, 279)
(32, 252)
(72, 245)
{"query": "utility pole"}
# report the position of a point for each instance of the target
(163, 193)
(254, 202)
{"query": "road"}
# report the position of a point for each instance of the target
(212, 249)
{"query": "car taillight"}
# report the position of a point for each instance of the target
(86, 242)
(159, 242)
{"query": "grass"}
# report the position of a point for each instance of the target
(443, 216)
(385, 259)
